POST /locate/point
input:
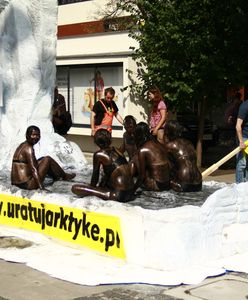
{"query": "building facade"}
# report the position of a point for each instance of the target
(92, 54)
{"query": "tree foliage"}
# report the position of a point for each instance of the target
(191, 48)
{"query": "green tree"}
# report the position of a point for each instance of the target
(192, 49)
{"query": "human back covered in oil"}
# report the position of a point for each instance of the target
(185, 175)
(151, 164)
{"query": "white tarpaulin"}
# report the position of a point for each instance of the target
(166, 246)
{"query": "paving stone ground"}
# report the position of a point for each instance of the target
(137, 293)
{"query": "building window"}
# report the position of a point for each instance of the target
(62, 2)
(83, 85)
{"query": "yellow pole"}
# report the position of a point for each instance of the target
(215, 166)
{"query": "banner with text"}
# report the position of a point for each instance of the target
(93, 230)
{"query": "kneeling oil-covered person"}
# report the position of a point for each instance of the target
(151, 164)
(185, 175)
(116, 182)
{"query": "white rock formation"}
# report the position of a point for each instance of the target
(28, 31)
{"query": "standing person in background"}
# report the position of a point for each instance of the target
(242, 136)
(231, 113)
(104, 111)
(58, 109)
(128, 144)
(158, 114)
(99, 83)
(61, 118)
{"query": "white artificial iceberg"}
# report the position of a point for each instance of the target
(28, 31)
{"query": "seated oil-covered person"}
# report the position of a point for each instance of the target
(116, 182)
(128, 144)
(151, 164)
(29, 173)
(185, 175)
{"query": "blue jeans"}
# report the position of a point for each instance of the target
(241, 166)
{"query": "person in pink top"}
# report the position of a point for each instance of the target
(158, 114)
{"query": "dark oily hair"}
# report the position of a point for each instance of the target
(109, 90)
(173, 130)
(30, 129)
(129, 119)
(142, 134)
(102, 138)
